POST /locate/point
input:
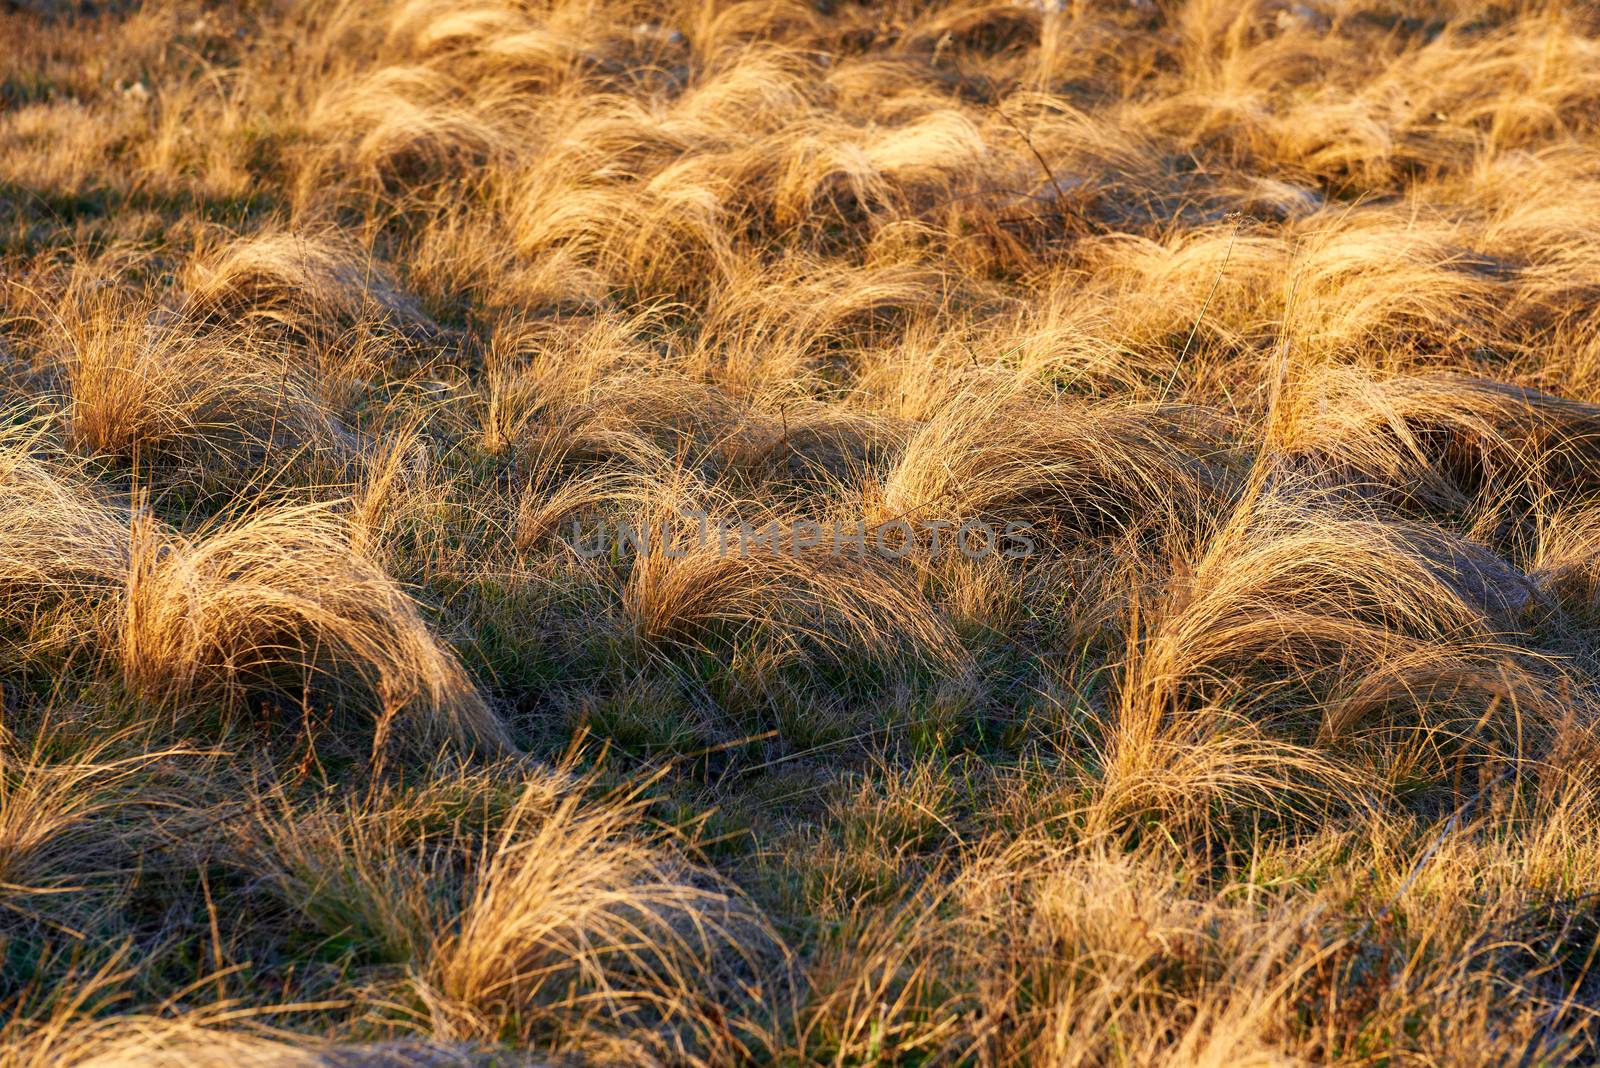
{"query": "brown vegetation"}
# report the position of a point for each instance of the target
(332, 334)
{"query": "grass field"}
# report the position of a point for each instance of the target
(350, 720)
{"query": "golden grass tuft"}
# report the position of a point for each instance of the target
(798, 600)
(1065, 469)
(147, 386)
(1444, 441)
(303, 282)
(573, 920)
(59, 543)
(1357, 615)
(550, 915)
(282, 599)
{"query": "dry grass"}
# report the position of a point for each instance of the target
(334, 334)
(207, 621)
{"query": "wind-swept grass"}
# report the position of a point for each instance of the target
(434, 627)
